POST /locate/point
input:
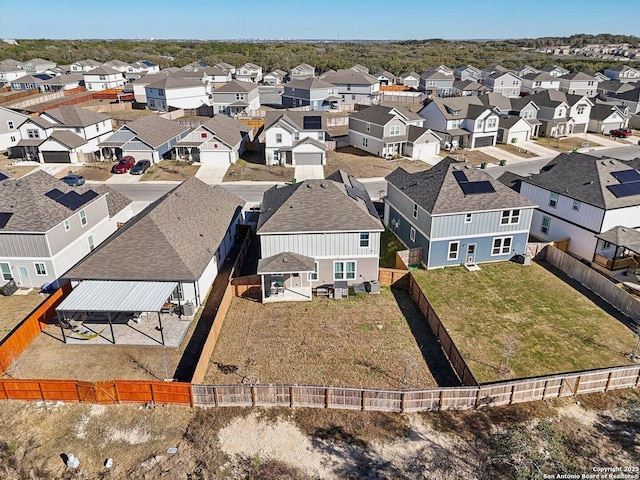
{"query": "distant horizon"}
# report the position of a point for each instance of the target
(332, 20)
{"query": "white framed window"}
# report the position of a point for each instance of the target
(321, 136)
(278, 138)
(10, 125)
(41, 269)
(412, 234)
(364, 239)
(368, 127)
(5, 270)
(576, 205)
(296, 136)
(313, 276)
(580, 110)
(353, 97)
(161, 92)
(553, 200)
(33, 133)
(102, 77)
(454, 248)
(239, 96)
(348, 87)
(394, 130)
(293, 91)
(83, 218)
(415, 210)
(13, 139)
(491, 122)
(501, 246)
(365, 142)
(178, 294)
(344, 270)
(544, 227)
(510, 217)
(91, 244)
(67, 226)
(468, 218)
(606, 245)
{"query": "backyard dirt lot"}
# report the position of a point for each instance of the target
(514, 149)
(97, 171)
(12, 167)
(529, 314)
(472, 157)
(16, 308)
(565, 144)
(372, 341)
(170, 170)
(361, 164)
(251, 167)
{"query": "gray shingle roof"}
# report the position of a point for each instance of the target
(622, 237)
(170, 240)
(601, 111)
(177, 80)
(75, 116)
(286, 262)
(467, 106)
(153, 130)
(102, 71)
(584, 178)
(438, 192)
(309, 83)
(579, 76)
(67, 138)
(31, 209)
(236, 86)
(381, 115)
(317, 206)
(352, 77)
(227, 129)
(294, 117)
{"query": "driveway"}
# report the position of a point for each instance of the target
(538, 149)
(500, 154)
(606, 141)
(212, 173)
(55, 168)
(123, 178)
(306, 172)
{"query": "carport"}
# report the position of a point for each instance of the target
(105, 302)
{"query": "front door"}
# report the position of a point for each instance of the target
(23, 275)
(471, 253)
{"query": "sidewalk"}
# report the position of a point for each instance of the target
(308, 172)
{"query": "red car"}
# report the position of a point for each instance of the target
(621, 132)
(124, 165)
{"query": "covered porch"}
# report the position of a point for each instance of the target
(105, 312)
(27, 149)
(285, 277)
(618, 249)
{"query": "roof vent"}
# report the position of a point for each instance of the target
(178, 194)
(284, 260)
(18, 183)
(467, 166)
(612, 162)
(323, 185)
(309, 185)
(603, 163)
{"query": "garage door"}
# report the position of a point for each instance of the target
(139, 155)
(308, 159)
(611, 126)
(519, 136)
(56, 157)
(218, 158)
(579, 128)
(483, 142)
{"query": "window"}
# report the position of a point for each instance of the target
(576, 205)
(67, 226)
(321, 136)
(365, 142)
(394, 130)
(501, 246)
(293, 91)
(344, 270)
(364, 239)
(296, 136)
(239, 96)
(91, 244)
(78, 130)
(33, 133)
(41, 270)
(468, 217)
(546, 222)
(580, 110)
(83, 218)
(348, 87)
(560, 112)
(6, 271)
(353, 97)
(278, 138)
(453, 250)
(10, 125)
(606, 245)
(412, 234)
(313, 276)
(510, 217)
(415, 210)
(102, 77)
(491, 122)
(368, 127)
(178, 293)
(13, 139)
(553, 200)
(161, 92)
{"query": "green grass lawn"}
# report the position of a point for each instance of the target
(389, 245)
(555, 328)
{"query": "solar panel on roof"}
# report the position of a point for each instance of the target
(3, 176)
(460, 176)
(72, 200)
(625, 189)
(312, 123)
(4, 218)
(627, 176)
(54, 194)
(472, 188)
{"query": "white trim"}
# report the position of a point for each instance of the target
(412, 234)
(368, 245)
(457, 244)
(320, 231)
(479, 235)
(316, 272)
(468, 218)
(2, 274)
(502, 240)
(44, 267)
(532, 207)
(344, 269)
(83, 222)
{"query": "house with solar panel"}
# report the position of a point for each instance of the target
(46, 226)
(295, 138)
(587, 200)
(458, 215)
(319, 236)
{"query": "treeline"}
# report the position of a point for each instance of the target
(580, 40)
(396, 57)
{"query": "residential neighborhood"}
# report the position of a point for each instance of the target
(403, 240)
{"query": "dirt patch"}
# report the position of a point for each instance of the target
(16, 308)
(472, 157)
(170, 170)
(565, 144)
(251, 167)
(96, 171)
(514, 149)
(361, 164)
(12, 166)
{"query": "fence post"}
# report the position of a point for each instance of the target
(216, 400)
(544, 390)
(40, 388)
(478, 398)
(363, 399)
(192, 401)
(403, 400)
(253, 395)
(578, 383)
(153, 397)
(441, 399)
(606, 388)
(513, 390)
(326, 397)
(638, 379)
(291, 396)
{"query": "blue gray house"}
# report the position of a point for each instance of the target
(457, 214)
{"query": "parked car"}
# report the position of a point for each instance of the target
(124, 165)
(621, 132)
(140, 167)
(73, 180)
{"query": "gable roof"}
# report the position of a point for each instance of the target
(601, 111)
(540, 77)
(318, 206)
(309, 83)
(584, 178)
(102, 71)
(438, 192)
(67, 138)
(227, 129)
(295, 118)
(578, 76)
(381, 114)
(72, 116)
(469, 107)
(169, 240)
(353, 77)
(153, 130)
(177, 80)
(236, 86)
(497, 100)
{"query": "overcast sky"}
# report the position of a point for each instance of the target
(305, 19)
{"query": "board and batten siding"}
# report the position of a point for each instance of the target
(587, 216)
(627, 217)
(317, 245)
(439, 250)
(96, 212)
(404, 205)
(23, 245)
(482, 223)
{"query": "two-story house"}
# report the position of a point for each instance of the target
(623, 73)
(536, 82)
(275, 77)
(465, 88)
(491, 69)
(220, 140)
(295, 138)
(457, 215)
(579, 83)
(314, 92)
(385, 78)
(605, 117)
(387, 131)
(317, 234)
(461, 121)
(9, 71)
(555, 70)
(235, 98)
(436, 83)
(46, 227)
(354, 87)
(504, 83)
(302, 71)
(524, 70)
(249, 72)
(579, 197)
(175, 91)
(84, 65)
(562, 114)
(139, 84)
(103, 78)
(10, 122)
(410, 79)
(468, 72)
(38, 65)
(629, 99)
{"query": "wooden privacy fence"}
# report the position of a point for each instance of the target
(26, 331)
(438, 329)
(392, 277)
(595, 282)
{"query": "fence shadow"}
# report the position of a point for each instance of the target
(428, 344)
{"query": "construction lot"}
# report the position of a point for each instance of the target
(375, 341)
(513, 321)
